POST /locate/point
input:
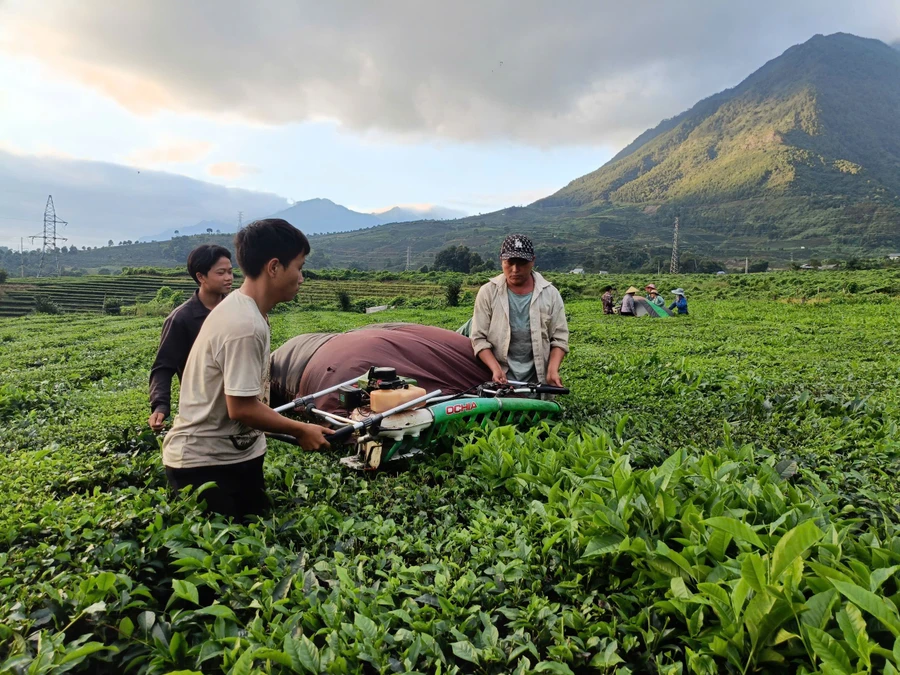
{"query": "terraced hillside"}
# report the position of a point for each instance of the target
(86, 294)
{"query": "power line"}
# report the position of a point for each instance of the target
(49, 236)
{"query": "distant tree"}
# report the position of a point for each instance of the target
(73, 249)
(814, 262)
(451, 293)
(110, 243)
(177, 232)
(423, 268)
(208, 230)
(4, 275)
(345, 302)
(457, 259)
(759, 266)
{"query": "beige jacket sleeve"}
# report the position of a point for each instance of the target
(481, 320)
(559, 325)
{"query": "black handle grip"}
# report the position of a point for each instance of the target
(547, 389)
(341, 435)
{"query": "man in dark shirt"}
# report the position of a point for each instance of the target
(209, 266)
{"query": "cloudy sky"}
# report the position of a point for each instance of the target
(473, 106)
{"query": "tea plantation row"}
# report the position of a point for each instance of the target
(719, 498)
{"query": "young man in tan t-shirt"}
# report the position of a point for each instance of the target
(218, 434)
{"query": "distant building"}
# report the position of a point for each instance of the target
(577, 270)
(894, 256)
(721, 272)
(602, 272)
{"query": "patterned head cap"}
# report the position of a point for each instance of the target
(517, 246)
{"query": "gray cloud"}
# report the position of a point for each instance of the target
(103, 201)
(535, 72)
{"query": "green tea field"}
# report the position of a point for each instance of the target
(720, 496)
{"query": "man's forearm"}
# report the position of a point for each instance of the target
(557, 354)
(161, 390)
(487, 358)
(257, 415)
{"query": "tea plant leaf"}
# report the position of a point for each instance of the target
(303, 654)
(553, 667)
(680, 589)
(466, 651)
(717, 544)
(279, 657)
(490, 635)
(829, 650)
(695, 622)
(217, 611)
(755, 613)
(737, 529)
(793, 545)
(126, 627)
(598, 546)
(879, 576)
(186, 590)
(606, 658)
(853, 626)
(244, 665)
(366, 626)
(818, 608)
(105, 581)
(753, 571)
(871, 603)
(146, 620)
(84, 651)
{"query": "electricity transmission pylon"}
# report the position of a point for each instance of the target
(673, 268)
(49, 238)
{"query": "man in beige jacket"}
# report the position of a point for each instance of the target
(519, 329)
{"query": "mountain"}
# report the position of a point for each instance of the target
(318, 216)
(405, 214)
(802, 156)
(203, 227)
(822, 118)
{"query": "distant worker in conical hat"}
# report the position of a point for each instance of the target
(653, 295)
(627, 308)
(680, 302)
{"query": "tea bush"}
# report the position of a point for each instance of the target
(720, 497)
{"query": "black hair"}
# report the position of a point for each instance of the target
(265, 239)
(202, 258)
